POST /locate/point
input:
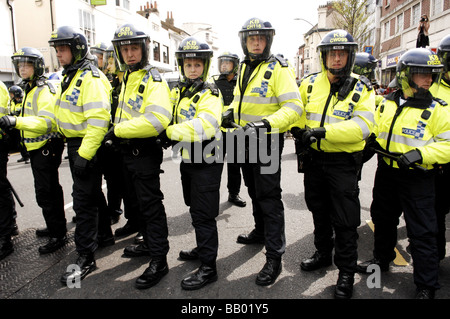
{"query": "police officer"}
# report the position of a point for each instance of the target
(228, 66)
(15, 106)
(197, 116)
(366, 64)
(83, 114)
(266, 102)
(7, 205)
(339, 108)
(443, 171)
(413, 127)
(143, 112)
(37, 124)
(98, 50)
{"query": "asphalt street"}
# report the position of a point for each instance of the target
(26, 275)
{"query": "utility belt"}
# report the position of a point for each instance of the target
(196, 151)
(308, 156)
(138, 146)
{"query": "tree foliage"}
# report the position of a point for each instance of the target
(352, 16)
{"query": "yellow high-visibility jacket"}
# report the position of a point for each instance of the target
(4, 100)
(38, 122)
(271, 94)
(196, 118)
(442, 92)
(348, 120)
(409, 127)
(83, 109)
(144, 108)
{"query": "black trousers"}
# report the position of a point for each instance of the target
(267, 206)
(201, 185)
(88, 202)
(442, 205)
(413, 193)
(142, 183)
(332, 195)
(45, 163)
(7, 205)
(234, 178)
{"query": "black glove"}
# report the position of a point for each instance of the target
(254, 127)
(228, 118)
(297, 132)
(312, 135)
(409, 159)
(110, 138)
(80, 165)
(163, 140)
(7, 122)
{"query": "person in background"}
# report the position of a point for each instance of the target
(98, 51)
(422, 37)
(228, 67)
(15, 107)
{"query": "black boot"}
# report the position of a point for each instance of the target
(203, 276)
(126, 230)
(236, 200)
(316, 261)
(86, 264)
(189, 254)
(136, 250)
(52, 245)
(362, 267)
(6, 247)
(157, 269)
(425, 293)
(42, 232)
(344, 286)
(252, 238)
(269, 273)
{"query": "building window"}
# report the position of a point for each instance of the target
(386, 29)
(437, 7)
(87, 25)
(156, 51)
(400, 22)
(387, 3)
(165, 54)
(416, 14)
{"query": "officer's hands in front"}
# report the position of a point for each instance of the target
(228, 118)
(80, 165)
(7, 122)
(297, 132)
(163, 140)
(110, 138)
(409, 159)
(254, 127)
(312, 135)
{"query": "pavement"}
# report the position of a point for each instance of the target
(26, 275)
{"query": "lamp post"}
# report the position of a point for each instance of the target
(317, 29)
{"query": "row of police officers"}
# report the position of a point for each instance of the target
(333, 115)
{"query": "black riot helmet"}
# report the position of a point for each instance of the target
(29, 55)
(190, 47)
(257, 26)
(418, 60)
(128, 34)
(99, 48)
(443, 52)
(16, 92)
(227, 56)
(365, 64)
(338, 40)
(72, 37)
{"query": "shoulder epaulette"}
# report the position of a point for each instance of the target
(155, 75)
(282, 61)
(51, 87)
(213, 87)
(366, 82)
(440, 101)
(40, 82)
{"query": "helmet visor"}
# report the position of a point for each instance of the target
(24, 66)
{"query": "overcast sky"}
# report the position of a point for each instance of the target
(228, 16)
